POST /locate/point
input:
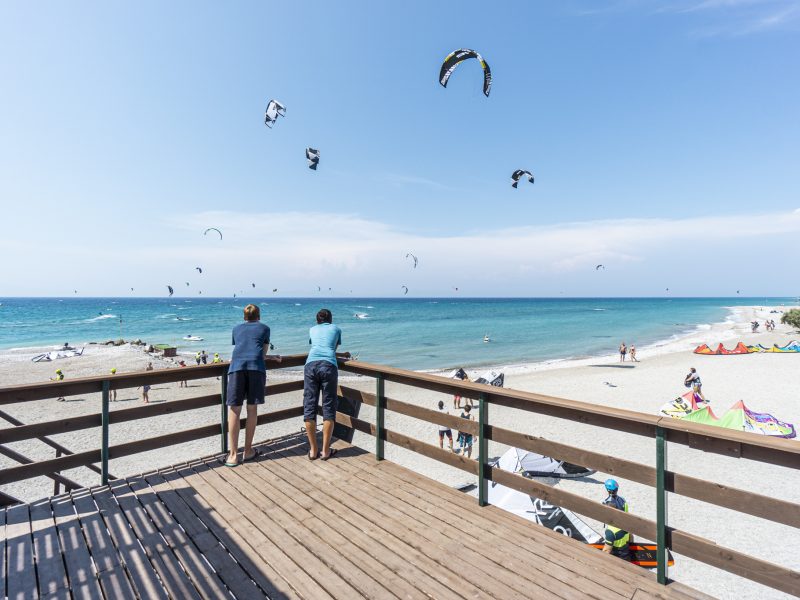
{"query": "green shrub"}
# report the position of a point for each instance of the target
(792, 318)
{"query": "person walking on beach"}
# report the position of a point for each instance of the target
(146, 386)
(617, 541)
(692, 380)
(204, 357)
(465, 439)
(462, 375)
(197, 358)
(182, 383)
(59, 377)
(113, 393)
(444, 430)
(623, 349)
(247, 378)
(321, 376)
(633, 354)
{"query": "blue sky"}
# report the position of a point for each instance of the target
(663, 137)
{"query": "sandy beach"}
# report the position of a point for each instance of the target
(766, 382)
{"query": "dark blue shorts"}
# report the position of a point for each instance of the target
(246, 384)
(320, 376)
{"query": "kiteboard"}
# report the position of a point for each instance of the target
(643, 555)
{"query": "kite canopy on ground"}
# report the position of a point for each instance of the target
(739, 417)
(494, 378)
(741, 348)
(531, 464)
(455, 58)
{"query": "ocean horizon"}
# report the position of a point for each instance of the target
(413, 333)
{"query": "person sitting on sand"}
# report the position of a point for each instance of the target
(617, 541)
(623, 350)
(633, 354)
(444, 430)
(247, 378)
(692, 380)
(465, 439)
(59, 377)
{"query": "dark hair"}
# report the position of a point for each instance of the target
(324, 316)
(441, 404)
(467, 407)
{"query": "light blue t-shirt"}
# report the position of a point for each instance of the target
(324, 338)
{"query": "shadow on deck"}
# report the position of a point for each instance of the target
(285, 527)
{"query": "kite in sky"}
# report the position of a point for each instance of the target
(171, 291)
(405, 289)
(517, 175)
(455, 58)
(414, 258)
(274, 110)
(206, 233)
(598, 267)
(312, 154)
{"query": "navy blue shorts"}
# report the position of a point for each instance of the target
(246, 384)
(320, 376)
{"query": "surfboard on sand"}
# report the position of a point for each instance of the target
(643, 555)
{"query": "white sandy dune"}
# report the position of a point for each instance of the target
(766, 382)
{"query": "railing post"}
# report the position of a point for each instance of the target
(223, 414)
(104, 446)
(379, 426)
(661, 506)
(56, 485)
(483, 446)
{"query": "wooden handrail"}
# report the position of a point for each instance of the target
(90, 385)
(705, 437)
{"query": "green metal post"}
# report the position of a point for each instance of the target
(380, 402)
(104, 445)
(661, 506)
(483, 447)
(223, 414)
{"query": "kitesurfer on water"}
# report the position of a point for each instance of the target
(617, 541)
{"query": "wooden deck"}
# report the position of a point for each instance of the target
(284, 527)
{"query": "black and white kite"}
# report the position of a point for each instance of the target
(414, 258)
(457, 57)
(517, 175)
(274, 110)
(405, 289)
(312, 154)
(171, 291)
(199, 270)
(598, 267)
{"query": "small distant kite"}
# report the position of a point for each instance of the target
(274, 110)
(274, 290)
(457, 57)
(171, 291)
(199, 270)
(234, 295)
(455, 288)
(199, 291)
(253, 284)
(131, 289)
(517, 175)
(312, 154)
(206, 233)
(405, 289)
(667, 289)
(598, 267)
(76, 291)
(187, 284)
(414, 258)
(319, 289)
(737, 291)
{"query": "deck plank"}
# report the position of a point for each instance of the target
(50, 571)
(160, 555)
(110, 571)
(81, 571)
(19, 542)
(3, 565)
(142, 575)
(256, 566)
(540, 567)
(319, 571)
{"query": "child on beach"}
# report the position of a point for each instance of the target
(146, 387)
(465, 439)
(113, 393)
(59, 377)
(444, 430)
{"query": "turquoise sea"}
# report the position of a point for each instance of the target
(431, 333)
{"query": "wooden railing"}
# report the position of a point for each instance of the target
(733, 444)
(106, 417)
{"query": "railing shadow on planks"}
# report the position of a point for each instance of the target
(731, 444)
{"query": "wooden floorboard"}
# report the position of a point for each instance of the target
(284, 527)
(51, 574)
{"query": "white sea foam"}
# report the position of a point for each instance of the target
(100, 318)
(361, 315)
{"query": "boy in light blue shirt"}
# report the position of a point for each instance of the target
(321, 374)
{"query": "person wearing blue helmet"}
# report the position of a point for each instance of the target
(617, 541)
